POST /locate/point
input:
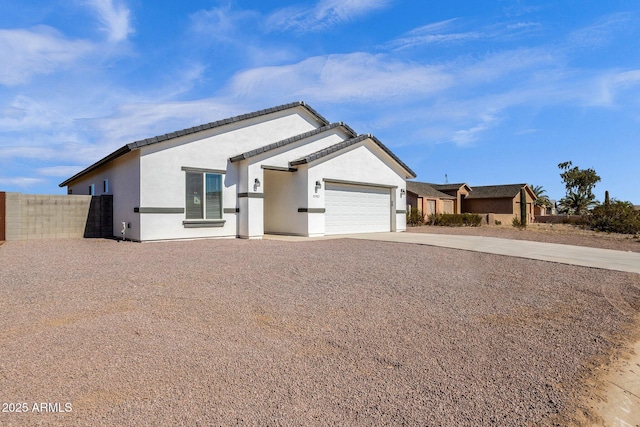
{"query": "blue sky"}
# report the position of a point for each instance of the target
(486, 92)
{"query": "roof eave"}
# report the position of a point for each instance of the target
(338, 147)
(119, 152)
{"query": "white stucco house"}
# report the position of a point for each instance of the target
(283, 170)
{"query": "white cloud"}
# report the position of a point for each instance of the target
(323, 15)
(59, 171)
(22, 182)
(627, 78)
(437, 32)
(600, 33)
(35, 51)
(223, 23)
(134, 121)
(114, 18)
(466, 137)
(445, 32)
(356, 77)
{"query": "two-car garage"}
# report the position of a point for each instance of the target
(354, 208)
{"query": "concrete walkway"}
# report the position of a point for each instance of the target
(565, 254)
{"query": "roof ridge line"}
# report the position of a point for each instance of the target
(191, 130)
(287, 141)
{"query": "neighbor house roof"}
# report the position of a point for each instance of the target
(291, 140)
(424, 189)
(450, 187)
(498, 191)
(172, 135)
(345, 144)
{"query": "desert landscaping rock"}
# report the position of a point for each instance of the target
(226, 332)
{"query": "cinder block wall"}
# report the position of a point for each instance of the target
(39, 216)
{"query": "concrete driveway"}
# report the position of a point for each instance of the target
(553, 252)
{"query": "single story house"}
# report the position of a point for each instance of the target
(458, 191)
(501, 200)
(428, 200)
(282, 170)
(438, 198)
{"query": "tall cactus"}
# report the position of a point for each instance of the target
(523, 207)
(606, 198)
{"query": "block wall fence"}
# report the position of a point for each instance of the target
(41, 216)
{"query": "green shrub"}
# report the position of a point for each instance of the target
(471, 220)
(498, 222)
(415, 217)
(614, 217)
(455, 220)
(516, 222)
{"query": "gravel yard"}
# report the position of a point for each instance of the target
(348, 332)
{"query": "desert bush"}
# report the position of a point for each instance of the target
(471, 220)
(516, 222)
(415, 217)
(455, 220)
(498, 222)
(614, 217)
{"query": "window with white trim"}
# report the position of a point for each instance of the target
(92, 190)
(203, 195)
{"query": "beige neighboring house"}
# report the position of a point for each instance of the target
(458, 191)
(502, 202)
(427, 199)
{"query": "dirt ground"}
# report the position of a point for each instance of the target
(550, 233)
(349, 332)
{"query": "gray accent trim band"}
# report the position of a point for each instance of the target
(188, 169)
(251, 195)
(278, 168)
(312, 210)
(146, 210)
(231, 210)
(368, 184)
(204, 224)
(401, 211)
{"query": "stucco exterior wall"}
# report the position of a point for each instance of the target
(363, 163)
(438, 206)
(123, 176)
(281, 203)
(497, 206)
(148, 184)
(411, 202)
(162, 176)
(505, 209)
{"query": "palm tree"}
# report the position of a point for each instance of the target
(577, 204)
(541, 198)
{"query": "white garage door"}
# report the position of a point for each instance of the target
(356, 209)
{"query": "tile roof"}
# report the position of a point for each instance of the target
(291, 140)
(168, 136)
(449, 187)
(495, 191)
(345, 144)
(424, 189)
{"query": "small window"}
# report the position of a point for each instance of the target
(105, 186)
(92, 190)
(203, 195)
